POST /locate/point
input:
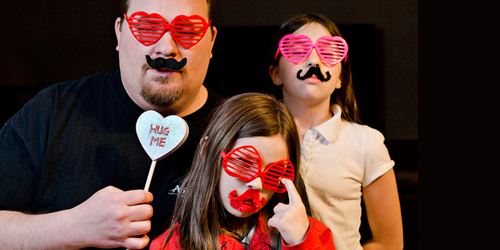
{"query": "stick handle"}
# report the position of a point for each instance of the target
(150, 175)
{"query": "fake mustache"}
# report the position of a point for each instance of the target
(314, 70)
(170, 63)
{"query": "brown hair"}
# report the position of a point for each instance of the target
(345, 98)
(200, 216)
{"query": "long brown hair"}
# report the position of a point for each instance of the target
(200, 216)
(345, 98)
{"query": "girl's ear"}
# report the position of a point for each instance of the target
(339, 83)
(275, 75)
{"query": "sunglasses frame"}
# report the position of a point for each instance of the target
(164, 26)
(268, 175)
(310, 45)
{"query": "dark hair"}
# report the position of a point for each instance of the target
(345, 98)
(200, 216)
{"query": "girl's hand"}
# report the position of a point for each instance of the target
(291, 220)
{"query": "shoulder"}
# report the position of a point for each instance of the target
(86, 84)
(352, 131)
(69, 90)
(361, 130)
(372, 151)
(67, 93)
(363, 134)
(157, 243)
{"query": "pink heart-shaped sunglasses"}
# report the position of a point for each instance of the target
(186, 31)
(331, 49)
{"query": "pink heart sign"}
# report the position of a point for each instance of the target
(160, 136)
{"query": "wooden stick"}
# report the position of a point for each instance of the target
(150, 175)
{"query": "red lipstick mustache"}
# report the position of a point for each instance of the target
(249, 202)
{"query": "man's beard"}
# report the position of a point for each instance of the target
(159, 97)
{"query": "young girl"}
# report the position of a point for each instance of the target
(341, 159)
(239, 192)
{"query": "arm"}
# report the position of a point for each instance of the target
(384, 213)
(109, 218)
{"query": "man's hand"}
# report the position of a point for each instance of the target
(112, 217)
(291, 220)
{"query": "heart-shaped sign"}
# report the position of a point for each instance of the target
(160, 136)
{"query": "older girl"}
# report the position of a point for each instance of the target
(341, 159)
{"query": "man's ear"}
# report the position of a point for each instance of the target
(214, 34)
(118, 32)
(275, 75)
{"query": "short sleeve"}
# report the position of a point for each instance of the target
(377, 160)
(18, 177)
(22, 151)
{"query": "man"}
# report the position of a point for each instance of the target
(71, 165)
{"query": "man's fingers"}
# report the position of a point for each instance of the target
(136, 242)
(293, 195)
(135, 197)
(112, 189)
(139, 228)
(141, 212)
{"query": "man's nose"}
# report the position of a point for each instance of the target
(166, 46)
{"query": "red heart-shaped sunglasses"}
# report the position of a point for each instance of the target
(186, 31)
(245, 163)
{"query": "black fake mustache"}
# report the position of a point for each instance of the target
(170, 63)
(315, 70)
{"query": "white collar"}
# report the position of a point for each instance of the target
(330, 129)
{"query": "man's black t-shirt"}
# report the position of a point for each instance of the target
(77, 137)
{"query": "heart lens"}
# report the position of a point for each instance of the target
(295, 48)
(188, 31)
(277, 171)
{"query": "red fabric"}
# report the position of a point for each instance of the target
(318, 237)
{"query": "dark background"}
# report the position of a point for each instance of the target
(45, 42)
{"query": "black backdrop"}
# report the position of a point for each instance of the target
(239, 65)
